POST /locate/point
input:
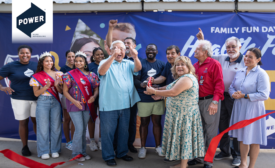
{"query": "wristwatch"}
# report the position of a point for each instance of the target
(245, 96)
(215, 102)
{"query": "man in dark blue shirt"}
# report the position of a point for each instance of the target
(148, 107)
(172, 52)
(131, 43)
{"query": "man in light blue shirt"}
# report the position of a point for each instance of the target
(117, 95)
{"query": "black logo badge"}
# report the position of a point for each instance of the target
(31, 20)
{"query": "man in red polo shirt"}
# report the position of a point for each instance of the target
(211, 89)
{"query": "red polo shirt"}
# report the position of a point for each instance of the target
(210, 79)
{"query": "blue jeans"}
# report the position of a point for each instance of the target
(48, 120)
(109, 122)
(80, 120)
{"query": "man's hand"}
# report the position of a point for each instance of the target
(133, 52)
(116, 52)
(213, 109)
(7, 90)
(200, 35)
(143, 85)
(152, 79)
(112, 23)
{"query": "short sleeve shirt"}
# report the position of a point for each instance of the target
(34, 82)
(149, 69)
(19, 76)
(116, 88)
(75, 92)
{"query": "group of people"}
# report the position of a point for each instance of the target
(201, 99)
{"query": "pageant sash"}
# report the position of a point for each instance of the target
(41, 77)
(85, 86)
(215, 141)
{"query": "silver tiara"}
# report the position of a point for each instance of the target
(44, 54)
(81, 53)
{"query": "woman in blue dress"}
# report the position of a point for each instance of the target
(250, 88)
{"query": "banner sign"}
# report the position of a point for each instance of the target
(70, 31)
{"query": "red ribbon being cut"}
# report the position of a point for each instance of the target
(215, 141)
(31, 163)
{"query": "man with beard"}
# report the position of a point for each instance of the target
(148, 107)
(172, 52)
(232, 62)
(211, 89)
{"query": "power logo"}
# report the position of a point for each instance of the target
(30, 20)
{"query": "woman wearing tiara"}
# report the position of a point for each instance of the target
(46, 83)
(81, 89)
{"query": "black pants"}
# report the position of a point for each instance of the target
(226, 111)
(132, 125)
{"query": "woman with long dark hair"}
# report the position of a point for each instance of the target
(81, 89)
(250, 88)
(23, 101)
(47, 83)
(98, 56)
(70, 56)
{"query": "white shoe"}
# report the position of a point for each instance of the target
(45, 156)
(87, 157)
(93, 146)
(158, 150)
(82, 159)
(142, 153)
(99, 145)
(55, 155)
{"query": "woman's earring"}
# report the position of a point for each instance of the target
(85, 66)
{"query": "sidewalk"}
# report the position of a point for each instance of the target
(265, 159)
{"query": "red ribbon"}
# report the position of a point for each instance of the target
(31, 163)
(215, 141)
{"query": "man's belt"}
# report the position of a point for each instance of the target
(206, 97)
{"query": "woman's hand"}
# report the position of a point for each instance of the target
(78, 104)
(91, 99)
(7, 90)
(149, 90)
(48, 84)
(238, 95)
(57, 81)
